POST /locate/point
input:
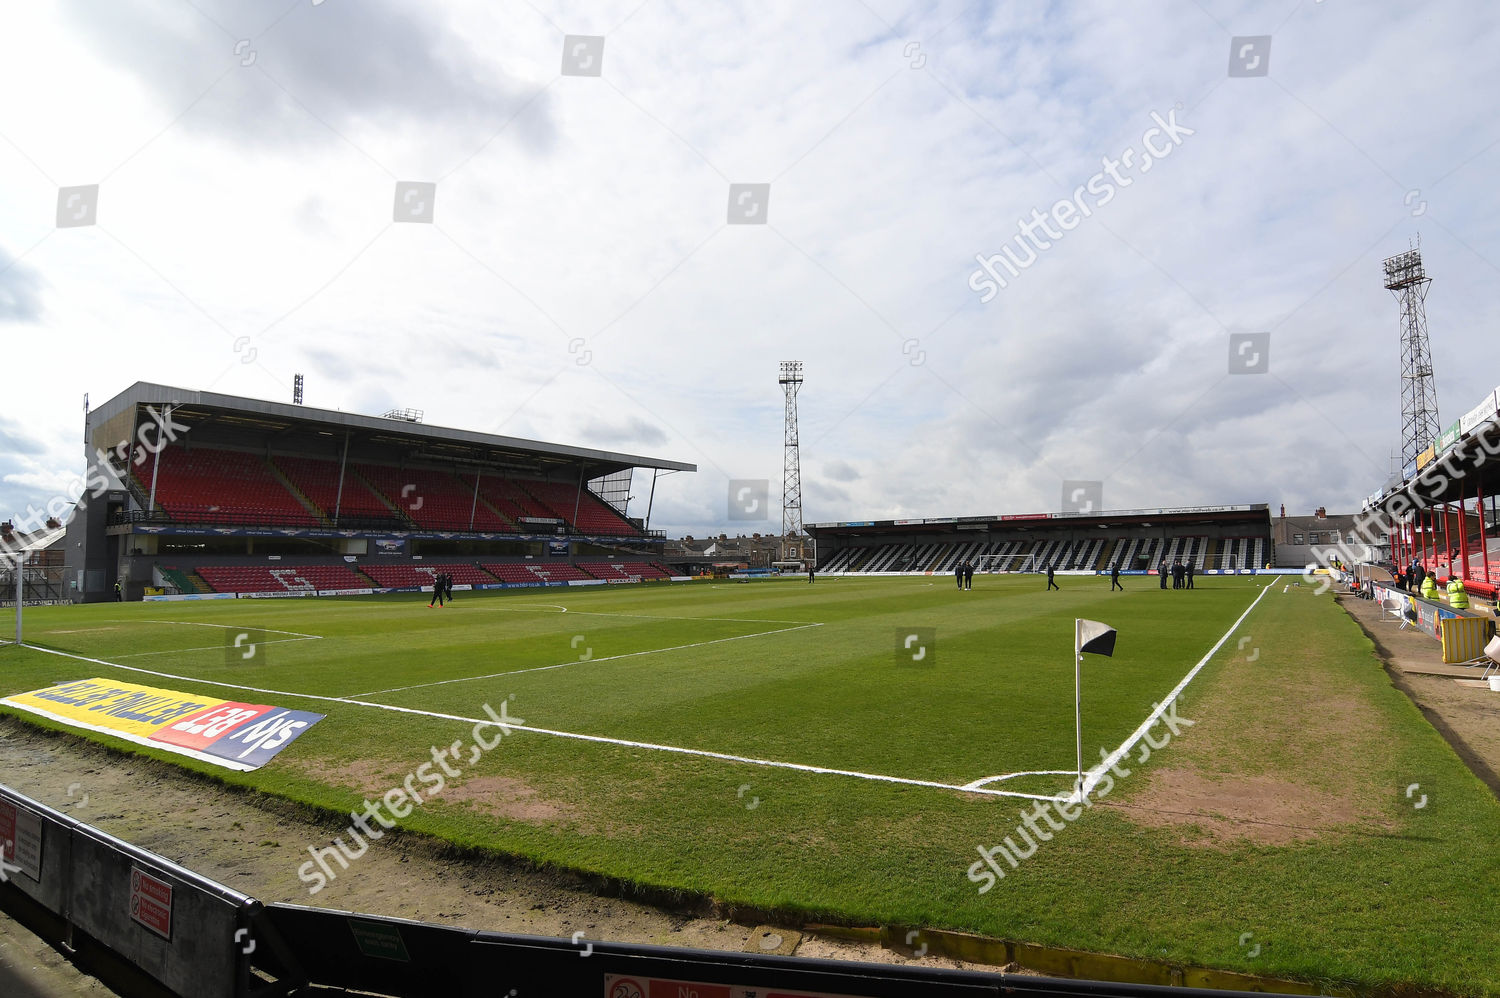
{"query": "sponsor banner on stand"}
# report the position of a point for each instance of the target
(239, 736)
(1481, 412)
(187, 596)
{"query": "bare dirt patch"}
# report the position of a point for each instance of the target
(1273, 769)
(1218, 813)
(256, 843)
(508, 798)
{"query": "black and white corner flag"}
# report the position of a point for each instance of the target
(1095, 638)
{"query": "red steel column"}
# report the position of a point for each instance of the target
(1463, 530)
(1447, 544)
(1484, 541)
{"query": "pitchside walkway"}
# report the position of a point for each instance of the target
(1465, 713)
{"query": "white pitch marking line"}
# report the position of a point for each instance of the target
(600, 739)
(1091, 778)
(656, 616)
(1093, 775)
(174, 651)
(194, 623)
(1011, 776)
(581, 661)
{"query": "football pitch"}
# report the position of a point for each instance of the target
(841, 751)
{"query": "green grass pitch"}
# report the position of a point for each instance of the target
(768, 744)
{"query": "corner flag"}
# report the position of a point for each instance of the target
(1096, 639)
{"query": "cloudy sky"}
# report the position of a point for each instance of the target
(580, 279)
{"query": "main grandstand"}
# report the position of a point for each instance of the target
(203, 494)
(1214, 539)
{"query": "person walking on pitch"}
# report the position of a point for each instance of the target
(1114, 578)
(1051, 583)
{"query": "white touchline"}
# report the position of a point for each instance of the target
(975, 787)
(1092, 777)
(600, 739)
(583, 661)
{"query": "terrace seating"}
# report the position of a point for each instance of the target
(526, 572)
(645, 570)
(513, 573)
(506, 496)
(271, 579)
(435, 500)
(557, 572)
(606, 570)
(220, 486)
(318, 480)
(593, 515)
(401, 576)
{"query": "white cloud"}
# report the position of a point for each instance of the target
(253, 205)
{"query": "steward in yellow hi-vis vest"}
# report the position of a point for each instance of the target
(1429, 587)
(1458, 598)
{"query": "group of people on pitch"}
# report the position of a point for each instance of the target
(963, 572)
(1182, 575)
(442, 585)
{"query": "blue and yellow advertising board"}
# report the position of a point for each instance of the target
(240, 736)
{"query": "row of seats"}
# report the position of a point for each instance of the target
(219, 486)
(435, 500)
(1035, 555)
(267, 579)
(306, 578)
(591, 514)
(319, 482)
(396, 576)
(624, 570)
(213, 486)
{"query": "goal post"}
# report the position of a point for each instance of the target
(15, 550)
(990, 563)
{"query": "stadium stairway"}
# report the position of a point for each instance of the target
(311, 507)
(184, 582)
(317, 480)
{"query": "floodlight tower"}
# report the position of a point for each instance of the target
(791, 479)
(1408, 281)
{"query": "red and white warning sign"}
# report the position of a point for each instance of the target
(621, 986)
(20, 841)
(151, 902)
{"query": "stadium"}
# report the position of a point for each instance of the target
(643, 697)
(448, 669)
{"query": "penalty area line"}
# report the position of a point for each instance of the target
(574, 735)
(582, 661)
